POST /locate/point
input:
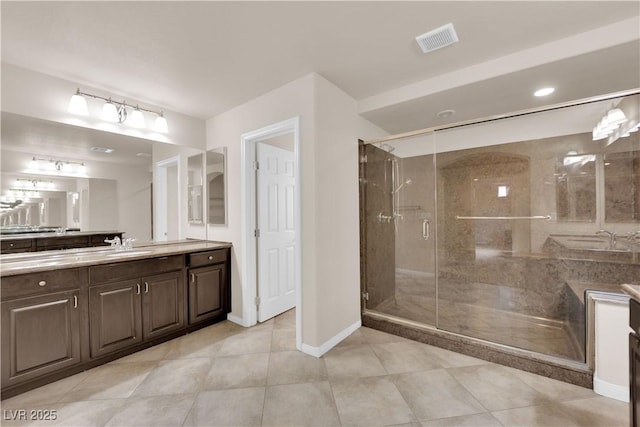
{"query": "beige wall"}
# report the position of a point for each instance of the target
(329, 130)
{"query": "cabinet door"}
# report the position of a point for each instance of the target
(634, 378)
(162, 304)
(116, 318)
(207, 292)
(39, 335)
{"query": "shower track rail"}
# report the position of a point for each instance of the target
(545, 217)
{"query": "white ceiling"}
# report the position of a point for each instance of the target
(203, 58)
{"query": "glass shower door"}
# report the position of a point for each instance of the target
(398, 211)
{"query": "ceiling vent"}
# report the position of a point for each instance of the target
(438, 38)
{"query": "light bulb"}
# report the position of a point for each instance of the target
(161, 124)
(78, 105)
(110, 112)
(137, 118)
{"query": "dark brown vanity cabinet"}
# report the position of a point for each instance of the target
(41, 324)
(125, 312)
(634, 362)
(59, 322)
(208, 285)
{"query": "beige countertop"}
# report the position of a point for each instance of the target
(31, 262)
(632, 290)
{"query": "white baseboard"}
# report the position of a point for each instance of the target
(235, 319)
(332, 342)
(613, 391)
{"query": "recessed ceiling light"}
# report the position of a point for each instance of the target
(102, 150)
(544, 91)
(445, 113)
(143, 154)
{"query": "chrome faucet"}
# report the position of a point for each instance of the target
(612, 237)
(115, 243)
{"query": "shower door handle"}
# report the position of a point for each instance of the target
(425, 229)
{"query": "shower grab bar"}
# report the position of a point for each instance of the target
(546, 217)
(425, 229)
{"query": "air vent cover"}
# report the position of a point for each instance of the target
(438, 38)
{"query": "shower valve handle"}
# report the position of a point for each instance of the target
(425, 229)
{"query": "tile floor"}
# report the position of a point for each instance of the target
(225, 375)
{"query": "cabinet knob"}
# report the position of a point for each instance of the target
(210, 257)
(11, 244)
(42, 283)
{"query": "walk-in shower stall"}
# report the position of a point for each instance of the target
(494, 230)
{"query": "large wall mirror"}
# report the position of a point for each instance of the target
(216, 186)
(103, 181)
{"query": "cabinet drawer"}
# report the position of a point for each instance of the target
(20, 245)
(41, 283)
(109, 273)
(200, 259)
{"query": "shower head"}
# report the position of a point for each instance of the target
(407, 182)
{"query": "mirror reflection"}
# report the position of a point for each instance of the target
(216, 187)
(622, 186)
(194, 179)
(63, 178)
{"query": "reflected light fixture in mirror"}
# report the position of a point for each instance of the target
(116, 111)
(609, 124)
(57, 167)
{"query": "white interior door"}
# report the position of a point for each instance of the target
(277, 230)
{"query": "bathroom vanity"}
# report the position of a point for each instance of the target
(64, 312)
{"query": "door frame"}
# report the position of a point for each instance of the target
(160, 213)
(249, 220)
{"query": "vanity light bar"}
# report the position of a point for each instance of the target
(116, 111)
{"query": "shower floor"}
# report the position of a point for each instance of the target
(464, 313)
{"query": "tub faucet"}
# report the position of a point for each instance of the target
(612, 237)
(633, 237)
